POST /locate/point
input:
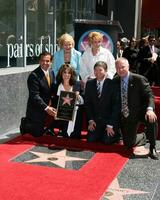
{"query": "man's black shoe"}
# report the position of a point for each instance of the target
(25, 126)
(21, 130)
(153, 153)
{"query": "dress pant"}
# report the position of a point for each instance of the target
(32, 127)
(100, 135)
(129, 128)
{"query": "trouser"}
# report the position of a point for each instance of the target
(34, 128)
(100, 134)
(129, 131)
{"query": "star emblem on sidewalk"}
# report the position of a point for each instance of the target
(115, 192)
(141, 152)
(67, 100)
(58, 158)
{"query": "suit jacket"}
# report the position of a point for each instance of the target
(145, 53)
(40, 93)
(139, 94)
(131, 55)
(103, 108)
(143, 56)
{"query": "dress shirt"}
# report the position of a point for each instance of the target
(125, 79)
(88, 61)
(45, 72)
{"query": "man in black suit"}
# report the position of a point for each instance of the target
(138, 106)
(101, 107)
(41, 86)
(148, 57)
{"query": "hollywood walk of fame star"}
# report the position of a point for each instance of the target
(140, 150)
(114, 191)
(58, 158)
(67, 100)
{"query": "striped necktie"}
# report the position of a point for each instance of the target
(99, 89)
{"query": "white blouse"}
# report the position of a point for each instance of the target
(88, 61)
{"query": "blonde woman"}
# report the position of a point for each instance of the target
(67, 54)
(95, 52)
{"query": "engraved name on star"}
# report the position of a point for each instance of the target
(59, 158)
(67, 100)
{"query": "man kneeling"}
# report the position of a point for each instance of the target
(100, 104)
(41, 86)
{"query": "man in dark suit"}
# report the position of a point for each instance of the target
(138, 106)
(101, 107)
(41, 86)
(147, 58)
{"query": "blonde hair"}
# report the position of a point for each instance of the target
(94, 36)
(65, 38)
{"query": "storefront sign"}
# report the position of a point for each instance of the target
(32, 50)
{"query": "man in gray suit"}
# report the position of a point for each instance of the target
(137, 105)
(101, 107)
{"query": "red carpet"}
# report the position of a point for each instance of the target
(23, 181)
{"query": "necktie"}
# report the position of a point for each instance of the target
(48, 79)
(49, 84)
(99, 89)
(124, 98)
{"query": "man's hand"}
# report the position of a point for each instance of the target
(77, 95)
(110, 131)
(51, 111)
(92, 125)
(150, 116)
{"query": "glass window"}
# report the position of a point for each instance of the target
(7, 30)
(39, 29)
(65, 16)
(45, 21)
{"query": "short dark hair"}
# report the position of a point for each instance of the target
(45, 53)
(101, 64)
(151, 37)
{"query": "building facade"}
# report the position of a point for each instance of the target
(27, 27)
